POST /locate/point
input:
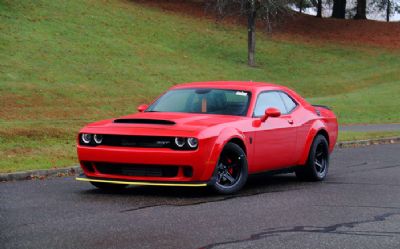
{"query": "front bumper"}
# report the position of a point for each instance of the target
(147, 165)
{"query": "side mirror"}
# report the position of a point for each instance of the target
(142, 107)
(270, 112)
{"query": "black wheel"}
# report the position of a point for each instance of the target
(317, 164)
(108, 186)
(231, 170)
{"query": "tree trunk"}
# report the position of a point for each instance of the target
(361, 9)
(301, 6)
(319, 8)
(251, 26)
(339, 9)
(388, 6)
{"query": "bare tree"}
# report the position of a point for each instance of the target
(339, 9)
(301, 5)
(265, 10)
(387, 7)
(318, 5)
(319, 8)
(391, 7)
(388, 10)
(361, 9)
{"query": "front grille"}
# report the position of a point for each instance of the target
(138, 141)
(137, 170)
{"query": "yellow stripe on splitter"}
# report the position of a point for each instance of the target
(144, 183)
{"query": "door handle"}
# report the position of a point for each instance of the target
(290, 121)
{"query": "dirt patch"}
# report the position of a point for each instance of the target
(358, 32)
(187, 7)
(302, 27)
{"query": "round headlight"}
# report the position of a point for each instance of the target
(86, 138)
(193, 142)
(180, 142)
(98, 138)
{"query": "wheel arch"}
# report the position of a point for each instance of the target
(239, 142)
(225, 136)
(318, 128)
(324, 133)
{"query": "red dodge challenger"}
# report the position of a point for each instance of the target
(210, 134)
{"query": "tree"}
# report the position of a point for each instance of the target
(319, 8)
(388, 10)
(339, 9)
(318, 5)
(266, 10)
(387, 7)
(391, 6)
(302, 4)
(361, 9)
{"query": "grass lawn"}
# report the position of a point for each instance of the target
(67, 63)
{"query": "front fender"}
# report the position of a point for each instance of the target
(222, 139)
(317, 126)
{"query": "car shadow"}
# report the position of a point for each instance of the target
(256, 184)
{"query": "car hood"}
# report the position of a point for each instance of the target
(161, 124)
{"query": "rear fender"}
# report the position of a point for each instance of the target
(317, 126)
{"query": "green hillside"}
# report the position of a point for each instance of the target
(66, 63)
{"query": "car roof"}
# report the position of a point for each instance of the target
(235, 85)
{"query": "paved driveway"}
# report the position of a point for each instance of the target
(358, 206)
(371, 127)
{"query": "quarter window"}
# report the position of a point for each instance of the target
(269, 99)
(289, 102)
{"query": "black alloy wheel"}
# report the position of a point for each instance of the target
(321, 159)
(317, 164)
(231, 171)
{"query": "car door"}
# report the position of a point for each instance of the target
(275, 139)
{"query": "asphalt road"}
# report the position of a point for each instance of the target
(370, 127)
(358, 206)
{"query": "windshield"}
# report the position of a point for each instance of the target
(207, 101)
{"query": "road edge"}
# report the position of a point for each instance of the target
(75, 170)
(40, 174)
(367, 142)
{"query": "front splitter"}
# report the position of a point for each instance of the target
(140, 183)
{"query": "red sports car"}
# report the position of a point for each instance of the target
(210, 134)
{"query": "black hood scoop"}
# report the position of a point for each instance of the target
(143, 121)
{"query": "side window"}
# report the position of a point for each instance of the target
(289, 102)
(266, 100)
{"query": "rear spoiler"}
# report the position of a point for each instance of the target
(323, 106)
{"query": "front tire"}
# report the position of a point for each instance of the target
(109, 186)
(231, 171)
(317, 164)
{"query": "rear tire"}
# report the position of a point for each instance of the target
(231, 171)
(317, 164)
(109, 186)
